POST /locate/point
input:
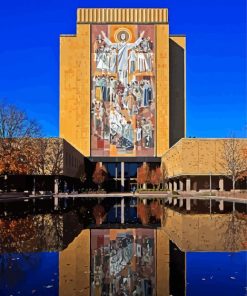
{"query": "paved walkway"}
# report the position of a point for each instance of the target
(191, 196)
(228, 197)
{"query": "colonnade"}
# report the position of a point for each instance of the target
(185, 184)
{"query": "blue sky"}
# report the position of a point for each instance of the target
(216, 58)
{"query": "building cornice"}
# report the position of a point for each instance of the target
(122, 15)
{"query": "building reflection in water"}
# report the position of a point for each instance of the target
(52, 255)
(205, 232)
(122, 262)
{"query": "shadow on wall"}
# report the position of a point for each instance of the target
(177, 92)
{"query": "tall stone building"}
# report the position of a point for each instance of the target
(122, 88)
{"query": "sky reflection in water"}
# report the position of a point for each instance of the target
(216, 273)
(29, 274)
(37, 273)
(207, 273)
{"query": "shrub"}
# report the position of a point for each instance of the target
(99, 175)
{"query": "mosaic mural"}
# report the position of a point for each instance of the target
(123, 262)
(123, 90)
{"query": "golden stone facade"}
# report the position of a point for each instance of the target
(75, 89)
(162, 89)
(196, 157)
(75, 75)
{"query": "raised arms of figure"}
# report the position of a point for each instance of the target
(131, 45)
(138, 41)
(107, 40)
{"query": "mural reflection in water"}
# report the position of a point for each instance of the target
(123, 262)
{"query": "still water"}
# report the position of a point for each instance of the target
(53, 254)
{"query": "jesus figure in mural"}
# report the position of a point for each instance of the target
(123, 48)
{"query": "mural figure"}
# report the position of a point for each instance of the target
(123, 48)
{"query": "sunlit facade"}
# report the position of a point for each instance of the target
(122, 87)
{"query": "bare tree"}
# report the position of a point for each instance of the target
(50, 156)
(22, 150)
(17, 131)
(234, 161)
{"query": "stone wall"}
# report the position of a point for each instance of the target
(196, 157)
(73, 163)
(75, 88)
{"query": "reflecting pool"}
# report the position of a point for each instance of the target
(54, 254)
